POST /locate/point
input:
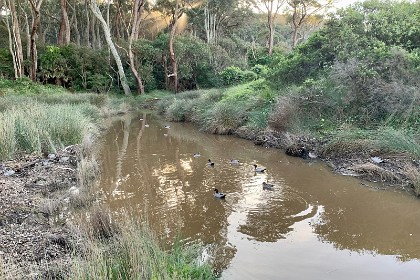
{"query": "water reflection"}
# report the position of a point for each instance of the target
(150, 172)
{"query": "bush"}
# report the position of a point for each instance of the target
(224, 118)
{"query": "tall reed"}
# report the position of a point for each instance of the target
(39, 127)
(135, 254)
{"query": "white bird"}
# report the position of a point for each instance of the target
(197, 155)
(267, 186)
(234, 161)
(146, 125)
(218, 195)
(259, 169)
(167, 126)
(210, 163)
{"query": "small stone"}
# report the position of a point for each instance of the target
(64, 159)
(9, 172)
(52, 156)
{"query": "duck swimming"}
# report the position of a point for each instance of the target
(234, 161)
(267, 186)
(210, 163)
(218, 195)
(146, 125)
(167, 126)
(259, 169)
(197, 155)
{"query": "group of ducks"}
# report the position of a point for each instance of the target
(210, 163)
(257, 169)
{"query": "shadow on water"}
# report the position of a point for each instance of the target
(313, 223)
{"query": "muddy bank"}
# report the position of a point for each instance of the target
(394, 170)
(36, 242)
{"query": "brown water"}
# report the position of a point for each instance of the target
(313, 225)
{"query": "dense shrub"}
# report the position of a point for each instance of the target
(6, 64)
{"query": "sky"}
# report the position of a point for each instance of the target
(344, 3)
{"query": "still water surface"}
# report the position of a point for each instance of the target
(313, 225)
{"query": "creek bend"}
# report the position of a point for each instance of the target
(314, 224)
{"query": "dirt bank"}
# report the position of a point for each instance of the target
(35, 193)
(394, 170)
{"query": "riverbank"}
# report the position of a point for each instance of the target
(51, 224)
(254, 111)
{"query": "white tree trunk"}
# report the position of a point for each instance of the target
(97, 12)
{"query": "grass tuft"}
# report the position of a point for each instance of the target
(134, 254)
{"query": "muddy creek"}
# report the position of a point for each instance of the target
(313, 224)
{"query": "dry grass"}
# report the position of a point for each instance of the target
(413, 174)
(134, 253)
(51, 207)
(372, 172)
(283, 114)
(100, 225)
(343, 148)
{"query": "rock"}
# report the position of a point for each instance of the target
(297, 151)
(52, 156)
(9, 172)
(74, 191)
(312, 155)
(64, 159)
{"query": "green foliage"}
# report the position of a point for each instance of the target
(233, 75)
(37, 127)
(6, 64)
(137, 255)
(352, 140)
(25, 86)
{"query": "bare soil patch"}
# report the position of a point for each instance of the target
(35, 193)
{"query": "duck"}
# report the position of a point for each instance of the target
(210, 163)
(259, 169)
(267, 186)
(167, 126)
(234, 161)
(218, 195)
(146, 125)
(197, 155)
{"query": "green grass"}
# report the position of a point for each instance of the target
(222, 111)
(135, 254)
(352, 140)
(41, 127)
(25, 86)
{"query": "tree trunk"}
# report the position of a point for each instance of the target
(11, 48)
(135, 23)
(174, 75)
(98, 36)
(16, 39)
(87, 30)
(95, 9)
(64, 34)
(75, 23)
(28, 35)
(270, 33)
(36, 6)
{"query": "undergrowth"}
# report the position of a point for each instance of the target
(134, 253)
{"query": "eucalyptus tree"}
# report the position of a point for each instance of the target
(107, 33)
(137, 12)
(36, 14)
(172, 9)
(272, 8)
(301, 11)
(64, 34)
(15, 42)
